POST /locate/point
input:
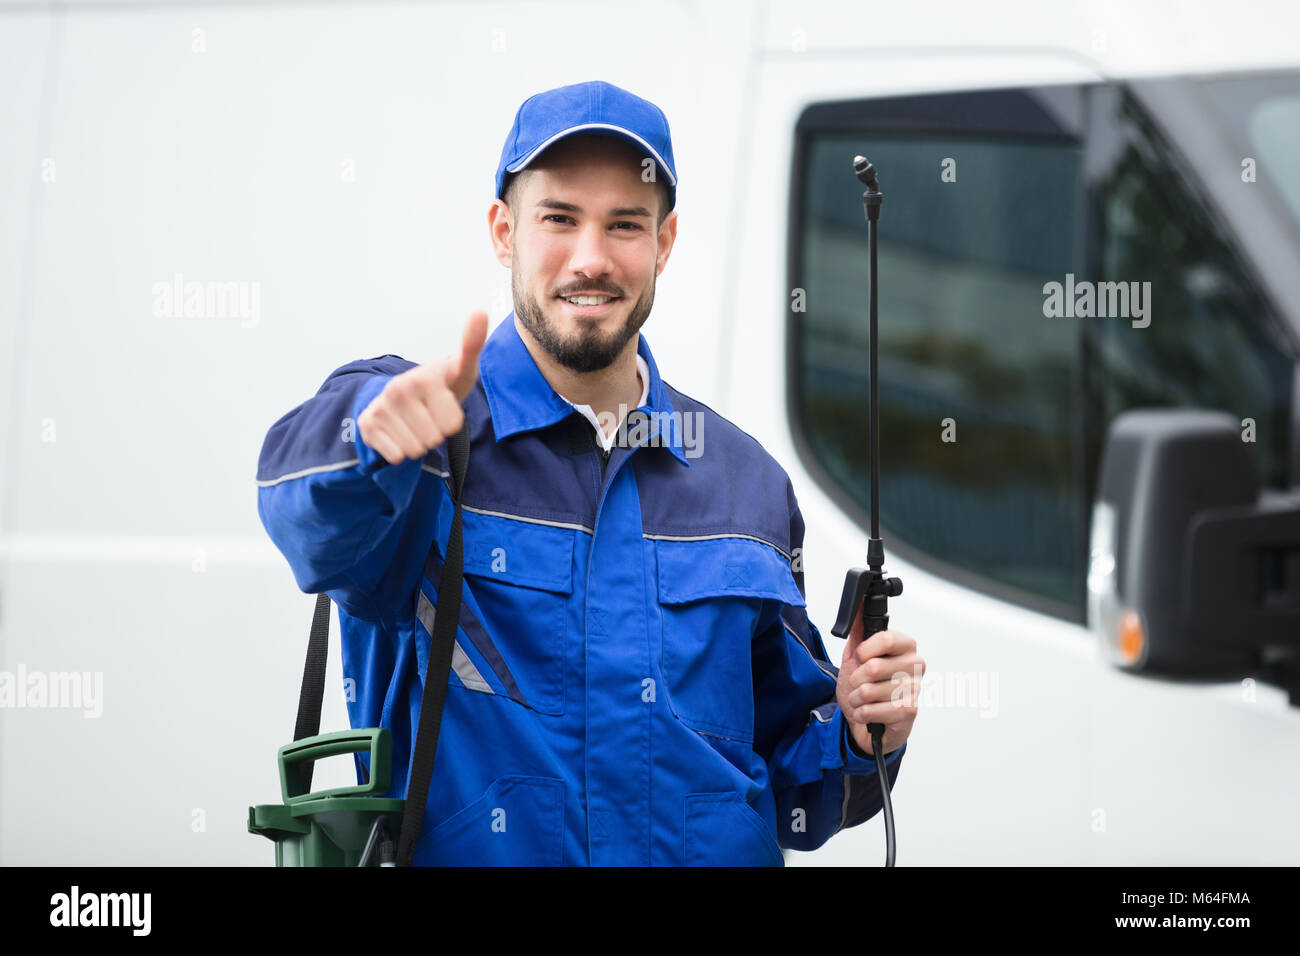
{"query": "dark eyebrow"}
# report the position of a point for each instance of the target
(570, 207)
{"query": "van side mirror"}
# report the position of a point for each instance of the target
(1194, 572)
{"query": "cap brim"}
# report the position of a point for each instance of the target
(598, 129)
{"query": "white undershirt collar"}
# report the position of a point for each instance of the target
(607, 442)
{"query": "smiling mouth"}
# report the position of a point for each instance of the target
(598, 308)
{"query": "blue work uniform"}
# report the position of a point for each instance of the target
(635, 679)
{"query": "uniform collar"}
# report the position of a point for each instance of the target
(521, 399)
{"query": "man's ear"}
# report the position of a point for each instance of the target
(667, 236)
(501, 230)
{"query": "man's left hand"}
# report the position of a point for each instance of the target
(879, 683)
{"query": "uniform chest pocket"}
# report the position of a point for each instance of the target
(519, 576)
(711, 594)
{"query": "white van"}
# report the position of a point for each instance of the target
(325, 171)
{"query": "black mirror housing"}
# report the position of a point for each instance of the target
(1194, 572)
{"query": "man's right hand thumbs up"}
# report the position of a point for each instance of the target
(419, 408)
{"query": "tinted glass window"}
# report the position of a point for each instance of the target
(966, 353)
(1213, 340)
(968, 350)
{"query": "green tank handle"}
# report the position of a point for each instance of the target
(328, 827)
(377, 740)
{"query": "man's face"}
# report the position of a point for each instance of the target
(584, 224)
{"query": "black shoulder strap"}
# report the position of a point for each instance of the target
(313, 683)
(446, 617)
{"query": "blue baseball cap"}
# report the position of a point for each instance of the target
(595, 108)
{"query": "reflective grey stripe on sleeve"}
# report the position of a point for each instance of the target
(844, 808)
(824, 714)
(424, 611)
(460, 663)
(827, 669)
(467, 672)
(319, 469)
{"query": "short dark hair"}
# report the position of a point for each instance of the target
(510, 194)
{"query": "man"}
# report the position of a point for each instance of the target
(635, 679)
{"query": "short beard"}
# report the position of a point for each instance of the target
(591, 351)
